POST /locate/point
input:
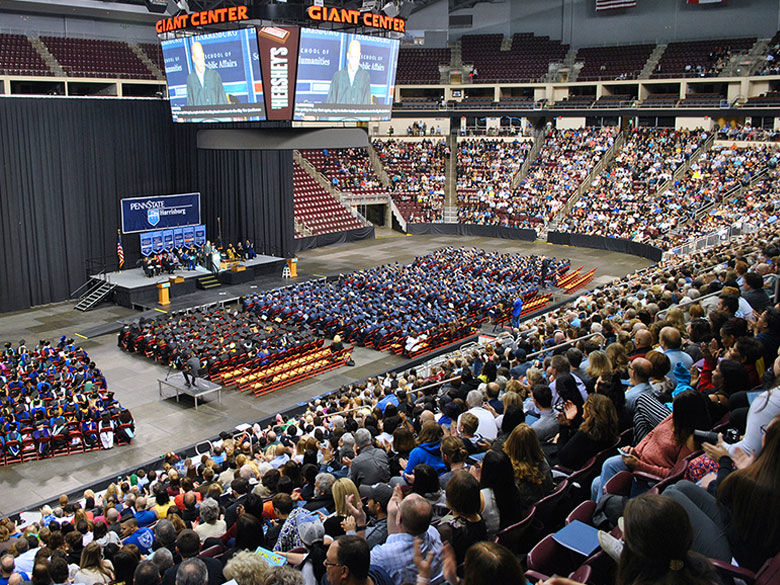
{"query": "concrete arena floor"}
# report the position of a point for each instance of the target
(163, 424)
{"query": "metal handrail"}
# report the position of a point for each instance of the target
(554, 347)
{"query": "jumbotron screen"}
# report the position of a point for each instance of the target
(344, 76)
(215, 77)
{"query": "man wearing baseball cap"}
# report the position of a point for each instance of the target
(377, 496)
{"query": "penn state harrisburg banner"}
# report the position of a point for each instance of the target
(141, 214)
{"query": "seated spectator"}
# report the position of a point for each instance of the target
(501, 499)
(533, 477)
(408, 518)
(246, 568)
(467, 526)
(598, 431)
(486, 563)
(93, 569)
(210, 525)
(188, 547)
(428, 449)
(744, 498)
(342, 488)
(660, 450)
(350, 561)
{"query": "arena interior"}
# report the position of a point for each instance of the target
(392, 292)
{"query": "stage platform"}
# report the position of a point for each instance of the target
(136, 291)
(200, 389)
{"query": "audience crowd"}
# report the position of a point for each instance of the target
(54, 399)
(486, 169)
(651, 217)
(348, 169)
(417, 174)
(403, 477)
(616, 199)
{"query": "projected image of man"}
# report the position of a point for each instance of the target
(204, 85)
(351, 85)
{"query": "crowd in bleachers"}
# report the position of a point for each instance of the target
(652, 217)
(566, 158)
(485, 172)
(746, 132)
(54, 401)
(348, 169)
(477, 461)
(417, 174)
(616, 201)
(440, 296)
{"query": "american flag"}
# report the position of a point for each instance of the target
(614, 4)
(120, 252)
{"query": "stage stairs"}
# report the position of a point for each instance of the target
(208, 282)
(95, 295)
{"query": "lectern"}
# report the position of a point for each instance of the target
(162, 293)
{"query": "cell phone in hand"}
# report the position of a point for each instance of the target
(624, 451)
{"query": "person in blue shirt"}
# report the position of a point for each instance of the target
(8, 568)
(143, 516)
(517, 309)
(143, 538)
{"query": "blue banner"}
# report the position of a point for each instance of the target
(200, 235)
(178, 238)
(146, 244)
(157, 242)
(140, 214)
(189, 236)
(168, 239)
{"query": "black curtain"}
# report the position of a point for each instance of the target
(66, 163)
(251, 191)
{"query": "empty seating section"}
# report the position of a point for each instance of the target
(520, 102)
(699, 58)
(475, 102)
(660, 100)
(420, 65)
(19, 57)
(702, 100)
(97, 58)
(527, 60)
(575, 102)
(316, 208)
(770, 99)
(613, 62)
(154, 52)
(418, 103)
(486, 169)
(566, 158)
(628, 185)
(417, 172)
(347, 169)
(614, 101)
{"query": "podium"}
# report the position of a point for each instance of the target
(292, 264)
(162, 293)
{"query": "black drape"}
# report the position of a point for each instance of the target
(66, 163)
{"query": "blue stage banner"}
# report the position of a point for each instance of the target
(189, 236)
(178, 238)
(157, 242)
(168, 239)
(200, 235)
(140, 214)
(146, 244)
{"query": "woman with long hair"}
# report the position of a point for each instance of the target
(743, 520)
(467, 526)
(342, 488)
(660, 450)
(533, 477)
(500, 497)
(92, 568)
(657, 547)
(598, 431)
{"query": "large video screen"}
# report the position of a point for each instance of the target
(344, 76)
(215, 77)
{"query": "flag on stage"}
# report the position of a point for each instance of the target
(120, 252)
(705, 1)
(614, 4)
